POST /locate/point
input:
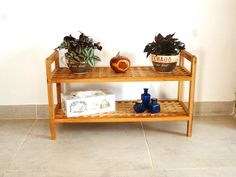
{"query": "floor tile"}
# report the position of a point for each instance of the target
(12, 133)
(119, 149)
(209, 172)
(79, 147)
(217, 127)
(212, 144)
(104, 173)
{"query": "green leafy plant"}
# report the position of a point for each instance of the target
(81, 49)
(164, 45)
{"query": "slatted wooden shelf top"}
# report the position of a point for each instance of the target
(171, 110)
(106, 74)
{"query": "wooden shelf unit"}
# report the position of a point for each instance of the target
(171, 110)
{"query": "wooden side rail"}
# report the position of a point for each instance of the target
(54, 57)
(192, 58)
(188, 56)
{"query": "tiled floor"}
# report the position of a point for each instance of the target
(119, 149)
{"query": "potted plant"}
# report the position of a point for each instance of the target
(164, 52)
(80, 55)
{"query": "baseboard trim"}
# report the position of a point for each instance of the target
(41, 111)
(213, 108)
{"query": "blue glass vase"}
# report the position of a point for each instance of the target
(153, 106)
(145, 97)
(139, 106)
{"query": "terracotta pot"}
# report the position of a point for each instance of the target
(164, 63)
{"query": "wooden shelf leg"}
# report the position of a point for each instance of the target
(180, 90)
(51, 111)
(180, 83)
(189, 127)
(58, 86)
(191, 98)
(191, 94)
(53, 130)
(190, 107)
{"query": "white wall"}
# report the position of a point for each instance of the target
(31, 29)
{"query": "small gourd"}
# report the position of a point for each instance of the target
(120, 64)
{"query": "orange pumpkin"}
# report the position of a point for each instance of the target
(120, 64)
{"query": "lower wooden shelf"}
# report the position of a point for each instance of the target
(171, 110)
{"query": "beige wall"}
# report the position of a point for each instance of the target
(30, 30)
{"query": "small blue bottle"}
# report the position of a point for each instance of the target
(139, 106)
(153, 106)
(145, 97)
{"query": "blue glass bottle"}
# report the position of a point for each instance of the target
(145, 97)
(139, 106)
(153, 106)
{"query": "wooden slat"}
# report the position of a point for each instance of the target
(106, 74)
(170, 110)
(184, 107)
(128, 119)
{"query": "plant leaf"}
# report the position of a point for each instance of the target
(96, 58)
(90, 52)
(91, 63)
(84, 53)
